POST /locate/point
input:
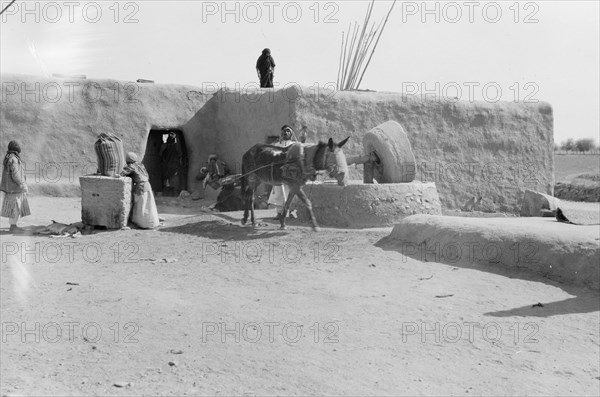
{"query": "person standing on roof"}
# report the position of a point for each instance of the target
(265, 67)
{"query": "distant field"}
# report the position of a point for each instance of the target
(567, 167)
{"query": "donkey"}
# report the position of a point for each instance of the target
(272, 165)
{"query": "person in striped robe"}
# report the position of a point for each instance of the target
(13, 188)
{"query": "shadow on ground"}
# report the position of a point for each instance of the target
(587, 302)
(220, 230)
(583, 301)
(42, 231)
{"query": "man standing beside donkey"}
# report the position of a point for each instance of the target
(279, 193)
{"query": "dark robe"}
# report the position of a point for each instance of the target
(171, 158)
(265, 65)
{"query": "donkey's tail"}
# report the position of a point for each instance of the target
(244, 183)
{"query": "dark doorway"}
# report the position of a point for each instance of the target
(166, 161)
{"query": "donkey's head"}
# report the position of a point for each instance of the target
(335, 161)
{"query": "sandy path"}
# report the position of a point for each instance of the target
(361, 297)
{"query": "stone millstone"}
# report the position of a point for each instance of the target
(105, 201)
(390, 142)
(359, 205)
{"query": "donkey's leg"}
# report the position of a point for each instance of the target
(308, 204)
(246, 205)
(252, 208)
(287, 204)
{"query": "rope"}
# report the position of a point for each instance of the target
(271, 165)
(259, 168)
(243, 175)
(233, 190)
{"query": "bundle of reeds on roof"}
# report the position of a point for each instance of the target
(354, 50)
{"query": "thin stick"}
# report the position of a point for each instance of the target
(345, 54)
(372, 52)
(364, 54)
(344, 59)
(361, 56)
(353, 67)
(360, 45)
(6, 8)
(340, 62)
(350, 54)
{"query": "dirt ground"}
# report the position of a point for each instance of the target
(204, 306)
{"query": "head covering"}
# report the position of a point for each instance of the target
(212, 156)
(13, 150)
(265, 62)
(13, 146)
(286, 132)
(131, 157)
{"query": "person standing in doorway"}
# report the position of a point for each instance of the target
(171, 164)
(265, 67)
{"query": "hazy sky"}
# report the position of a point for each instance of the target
(543, 50)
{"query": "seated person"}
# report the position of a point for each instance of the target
(216, 170)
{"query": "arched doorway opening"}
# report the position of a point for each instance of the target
(166, 161)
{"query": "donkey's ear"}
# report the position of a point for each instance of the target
(330, 144)
(342, 143)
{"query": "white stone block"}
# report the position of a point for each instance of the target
(105, 201)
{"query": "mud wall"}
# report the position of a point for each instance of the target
(492, 151)
(489, 150)
(244, 119)
(57, 122)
